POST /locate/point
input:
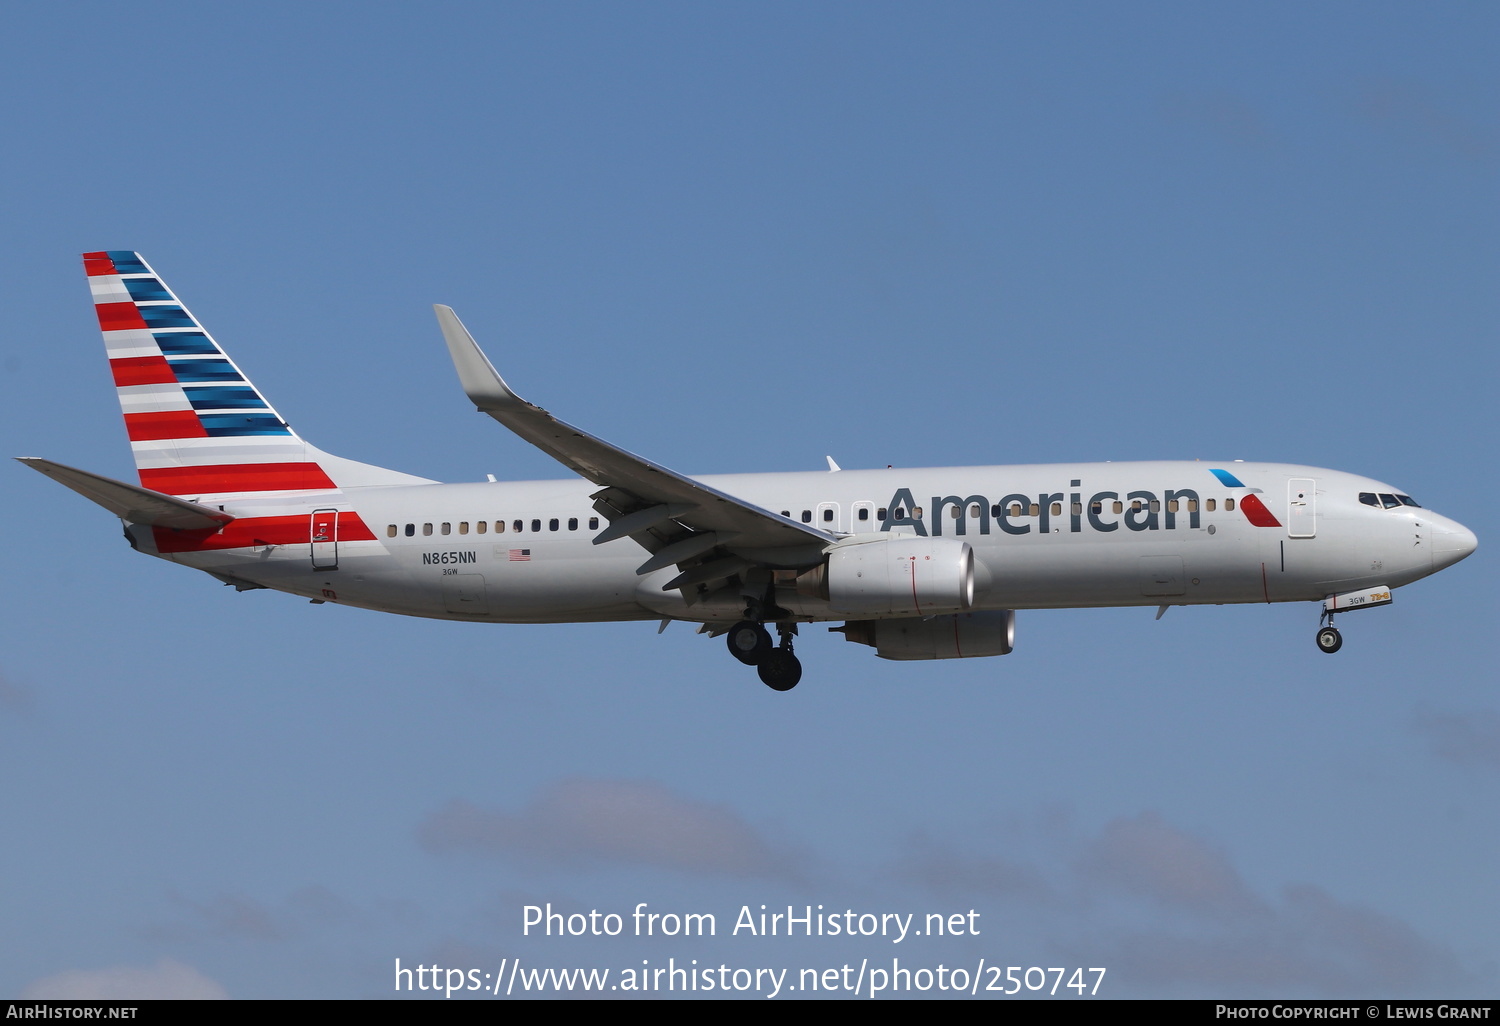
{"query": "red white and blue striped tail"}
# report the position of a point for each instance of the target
(197, 426)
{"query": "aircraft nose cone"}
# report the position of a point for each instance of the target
(1451, 542)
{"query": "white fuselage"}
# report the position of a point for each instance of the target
(1043, 535)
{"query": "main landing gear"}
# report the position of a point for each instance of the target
(1329, 638)
(750, 643)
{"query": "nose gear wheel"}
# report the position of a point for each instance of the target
(1330, 640)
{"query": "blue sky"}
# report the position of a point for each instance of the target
(738, 238)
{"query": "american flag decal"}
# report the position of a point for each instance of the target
(520, 555)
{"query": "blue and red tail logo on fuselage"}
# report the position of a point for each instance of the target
(1255, 511)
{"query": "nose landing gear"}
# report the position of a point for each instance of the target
(1329, 638)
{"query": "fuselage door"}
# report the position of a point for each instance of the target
(863, 517)
(828, 517)
(1301, 507)
(325, 539)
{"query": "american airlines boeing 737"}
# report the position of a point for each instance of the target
(918, 564)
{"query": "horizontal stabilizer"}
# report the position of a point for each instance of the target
(132, 502)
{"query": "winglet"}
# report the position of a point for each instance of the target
(482, 383)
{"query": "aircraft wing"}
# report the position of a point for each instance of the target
(132, 502)
(642, 499)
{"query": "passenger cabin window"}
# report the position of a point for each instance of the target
(499, 526)
(1229, 504)
(1135, 506)
(1015, 509)
(552, 524)
(572, 523)
(463, 527)
(828, 516)
(481, 526)
(880, 514)
(1096, 507)
(899, 514)
(1078, 509)
(1192, 505)
(447, 528)
(1057, 509)
(517, 525)
(411, 529)
(1171, 505)
(1209, 505)
(955, 512)
(426, 529)
(390, 532)
(536, 525)
(807, 516)
(1118, 506)
(593, 523)
(1034, 510)
(1156, 505)
(786, 513)
(864, 514)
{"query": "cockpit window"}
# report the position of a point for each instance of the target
(1387, 500)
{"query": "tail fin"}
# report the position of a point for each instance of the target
(197, 426)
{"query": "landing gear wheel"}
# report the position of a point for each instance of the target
(749, 642)
(1330, 640)
(780, 670)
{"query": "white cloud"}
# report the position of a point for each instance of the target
(234, 915)
(591, 820)
(16, 698)
(1147, 856)
(1470, 739)
(167, 979)
(1170, 914)
(948, 872)
(1412, 113)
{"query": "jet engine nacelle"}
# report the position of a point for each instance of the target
(900, 575)
(955, 636)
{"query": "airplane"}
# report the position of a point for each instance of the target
(917, 564)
